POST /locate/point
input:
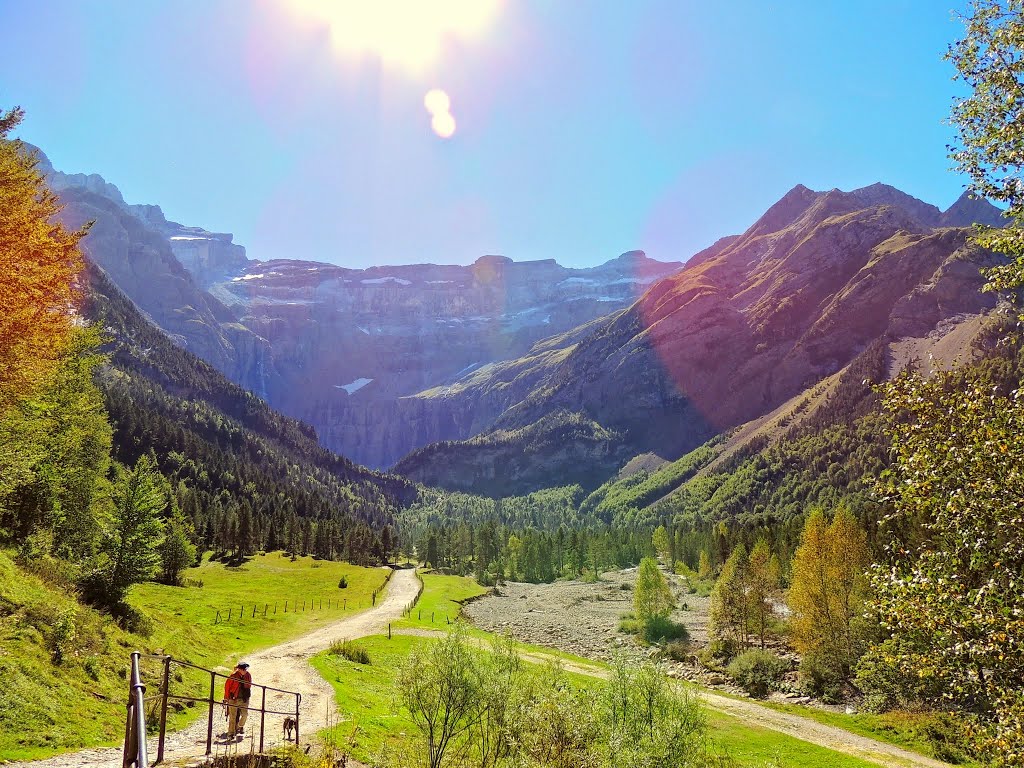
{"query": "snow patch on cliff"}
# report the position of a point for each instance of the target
(354, 386)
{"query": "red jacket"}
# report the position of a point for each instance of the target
(237, 686)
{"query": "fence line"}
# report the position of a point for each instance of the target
(238, 613)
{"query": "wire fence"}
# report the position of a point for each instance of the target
(239, 613)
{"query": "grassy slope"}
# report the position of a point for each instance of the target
(47, 708)
(442, 598)
(373, 723)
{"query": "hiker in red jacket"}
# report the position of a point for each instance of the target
(237, 690)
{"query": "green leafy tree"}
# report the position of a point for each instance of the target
(652, 598)
(990, 121)
(651, 723)
(954, 603)
(730, 605)
(440, 688)
(661, 543)
(952, 600)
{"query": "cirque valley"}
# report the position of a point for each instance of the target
(429, 368)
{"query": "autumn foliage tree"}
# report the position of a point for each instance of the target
(827, 597)
(39, 261)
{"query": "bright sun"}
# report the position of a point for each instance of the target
(406, 33)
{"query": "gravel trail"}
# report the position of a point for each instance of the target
(284, 666)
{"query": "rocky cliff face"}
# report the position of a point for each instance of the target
(745, 326)
(134, 246)
(349, 346)
(342, 348)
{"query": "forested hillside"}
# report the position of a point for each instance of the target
(247, 477)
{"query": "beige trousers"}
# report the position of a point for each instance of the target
(238, 713)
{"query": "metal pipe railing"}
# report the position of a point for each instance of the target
(135, 749)
(136, 754)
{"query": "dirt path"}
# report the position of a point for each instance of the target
(283, 666)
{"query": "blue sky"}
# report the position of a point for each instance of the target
(584, 128)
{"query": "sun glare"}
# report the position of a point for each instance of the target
(410, 34)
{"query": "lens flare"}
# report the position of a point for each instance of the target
(443, 124)
(436, 101)
(439, 106)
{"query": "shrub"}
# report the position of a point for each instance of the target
(354, 653)
(92, 668)
(660, 628)
(757, 671)
(678, 650)
(822, 676)
(63, 637)
(629, 624)
(343, 582)
(948, 737)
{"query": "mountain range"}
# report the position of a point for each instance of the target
(502, 377)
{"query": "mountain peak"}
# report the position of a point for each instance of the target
(968, 210)
(787, 210)
(884, 194)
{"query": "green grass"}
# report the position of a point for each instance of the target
(265, 581)
(752, 746)
(369, 713)
(441, 601)
(47, 708)
(372, 722)
(903, 729)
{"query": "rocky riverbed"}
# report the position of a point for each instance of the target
(580, 617)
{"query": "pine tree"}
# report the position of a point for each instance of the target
(129, 547)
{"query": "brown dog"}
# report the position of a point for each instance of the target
(289, 726)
